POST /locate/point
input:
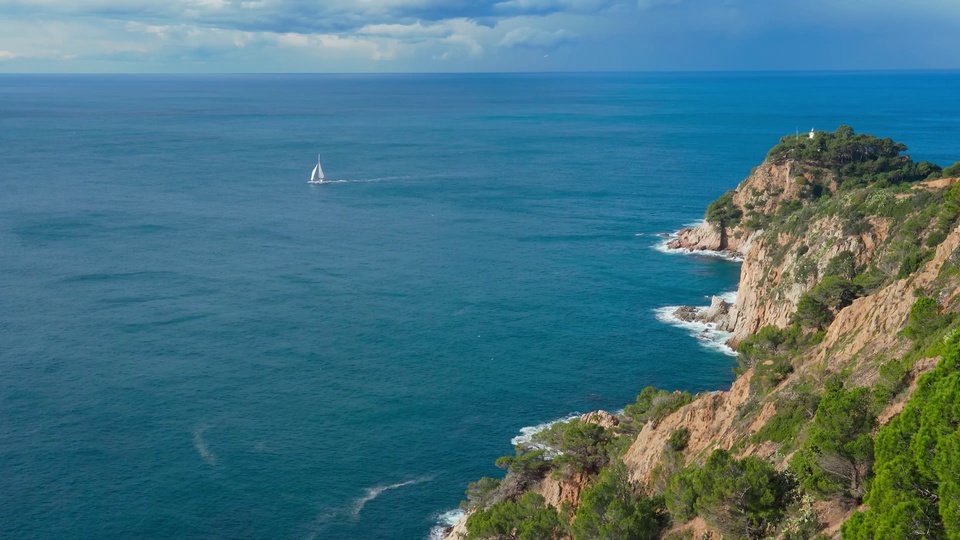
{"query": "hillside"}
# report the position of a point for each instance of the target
(844, 322)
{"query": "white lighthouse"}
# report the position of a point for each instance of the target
(811, 133)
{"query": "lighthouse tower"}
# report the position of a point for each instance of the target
(811, 133)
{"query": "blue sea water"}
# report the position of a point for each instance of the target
(195, 343)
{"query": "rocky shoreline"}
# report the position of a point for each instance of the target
(718, 313)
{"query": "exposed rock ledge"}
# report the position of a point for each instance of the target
(718, 313)
(705, 237)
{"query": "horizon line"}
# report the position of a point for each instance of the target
(559, 72)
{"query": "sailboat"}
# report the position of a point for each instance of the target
(316, 177)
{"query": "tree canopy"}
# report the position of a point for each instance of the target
(915, 493)
(858, 159)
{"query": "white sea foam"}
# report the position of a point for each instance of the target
(201, 445)
(706, 334)
(445, 520)
(663, 247)
(729, 297)
(525, 438)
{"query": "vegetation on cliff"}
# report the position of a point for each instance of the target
(832, 415)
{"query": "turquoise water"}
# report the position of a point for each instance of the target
(198, 344)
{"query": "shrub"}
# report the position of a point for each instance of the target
(839, 448)
(582, 445)
(611, 508)
(924, 319)
(935, 239)
(722, 213)
(767, 342)
(842, 265)
(681, 496)
(740, 498)
(912, 262)
(811, 313)
(525, 467)
(916, 490)
(869, 281)
(653, 404)
(528, 518)
(792, 414)
(817, 307)
(952, 171)
(678, 439)
(835, 292)
(480, 493)
(891, 381)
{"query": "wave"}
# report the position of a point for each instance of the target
(201, 445)
(525, 438)
(445, 520)
(706, 334)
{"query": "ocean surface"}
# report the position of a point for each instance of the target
(195, 343)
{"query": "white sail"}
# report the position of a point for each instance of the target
(316, 176)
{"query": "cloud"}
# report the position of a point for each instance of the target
(427, 35)
(406, 31)
(535, 39)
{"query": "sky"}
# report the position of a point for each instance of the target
(135, 36)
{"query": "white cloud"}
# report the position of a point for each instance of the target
(535, 38)
(425, 35)
(416, 30)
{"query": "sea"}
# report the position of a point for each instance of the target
(196, 343)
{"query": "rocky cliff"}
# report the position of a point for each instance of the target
(863, 257)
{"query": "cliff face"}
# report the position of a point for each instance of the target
(861, 336)
(776, 271)
(793, 230)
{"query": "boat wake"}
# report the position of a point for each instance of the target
(352, 511)
(359, 180)
(376, 491)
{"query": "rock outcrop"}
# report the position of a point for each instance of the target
(717, 313)
(862, 332)
(773, 276)
(779, 265)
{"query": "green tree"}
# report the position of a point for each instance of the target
(653, 404)
(835, 292)
(480, 493)
(812, 313)
(528, 518)
(582, 446)
(952, 171)
(839, 443)
(722, 213)
(740, 498)
(915, 493)
(525, 467)
(678, 439)
(612, 509)
(843, 265)
(924, 320)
